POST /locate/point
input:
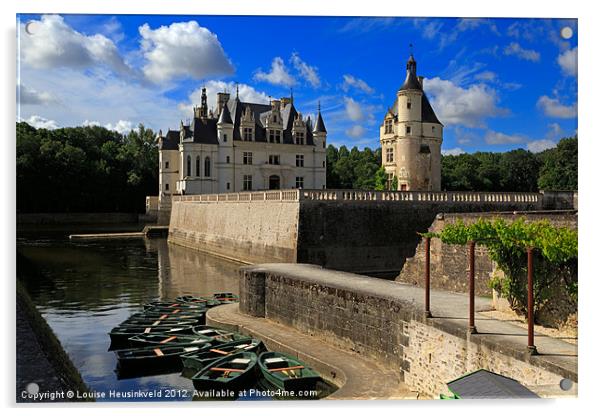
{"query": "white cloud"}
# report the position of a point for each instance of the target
(537, 146)
(90, 123)
(486, 76)
(552, 107)
(246, 93)
(122, 126)
(349, 81)
(182, 50)
(278, 75)
(554, 130)
(452, 152)
(55, 44)
(456, 105)
(495, 137)
(355, 131)
(353, 109)
(29, 96)
(41, 123)
(306, 71)
(514, 48)
(568, 61)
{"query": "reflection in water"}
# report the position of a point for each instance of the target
(87, 288)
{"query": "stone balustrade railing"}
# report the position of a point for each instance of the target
(294, 195)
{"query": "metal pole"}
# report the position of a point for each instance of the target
(427, 278)
(530, 338)
(471, 326)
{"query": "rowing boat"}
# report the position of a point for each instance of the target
(232, 373)
(120, 336)
(147, 340)
(199, 359)
(198, 300)
(155, 358)
(225, 297)
(286, 372)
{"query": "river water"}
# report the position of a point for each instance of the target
(88, 287)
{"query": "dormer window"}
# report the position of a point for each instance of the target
(388, 126)
(275, 118)
(274, 136)
(247, 134)
(299, 137)
(225, 138)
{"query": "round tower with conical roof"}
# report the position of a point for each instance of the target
(411, 137)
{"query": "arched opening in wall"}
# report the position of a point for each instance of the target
(198, 166)
(274, 182)
(188, 166)
(207, 167)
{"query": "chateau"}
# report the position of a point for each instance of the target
(242, 146)
(411, 136)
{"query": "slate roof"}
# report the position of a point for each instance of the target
(225, 116)
(483, 384)
(320, 128)
(427, 112)
(171, 141)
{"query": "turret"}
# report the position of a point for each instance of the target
(225, 127)
(319, 131)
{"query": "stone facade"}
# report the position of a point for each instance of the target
(411, 137)
(242, 146)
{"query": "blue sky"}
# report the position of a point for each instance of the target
(496, 84)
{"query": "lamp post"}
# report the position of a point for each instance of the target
(427, 278)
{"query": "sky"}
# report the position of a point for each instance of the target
(495, 84)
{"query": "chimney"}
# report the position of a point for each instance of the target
(222, 100)
(284, 101)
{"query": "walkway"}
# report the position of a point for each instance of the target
(356, 377)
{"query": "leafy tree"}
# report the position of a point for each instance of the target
(559, 167)
(380, 179)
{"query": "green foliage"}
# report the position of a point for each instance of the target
(380, 179)
(555, 255)
(352, 169)
(559, 166)
(85, 169)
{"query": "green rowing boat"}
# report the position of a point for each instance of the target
(235, 372)
(286, 372)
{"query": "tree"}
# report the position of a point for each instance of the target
(380, 179)
(519, 171)
(559, 167)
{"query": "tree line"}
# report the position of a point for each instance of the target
(93, 169)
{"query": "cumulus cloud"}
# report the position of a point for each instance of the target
(90, 123)
(278, 75)
(355, 131)
(353, 109)
(537, 146)
(495, 137)
(122, 126)
(452, 152)
(514, 48)
(40, 122)
(552, 107)
(29, 96)
(306, 71)
(456, 105)
(568, 62)
(55, 44)
(246, 93)
(182, 50)
(351, 82)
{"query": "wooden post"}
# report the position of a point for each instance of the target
(531, 349)
(427, 278)
(471, 325)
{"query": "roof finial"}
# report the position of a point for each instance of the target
(411, 49)
(318, 106)
(291, 95)
(237, 90)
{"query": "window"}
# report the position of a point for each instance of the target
(228, 186)
(299, 182)
(408, 130)
(323, 163)
(227, 159)
(433, 129)
(247, 182)
(198, 166)
(247, 134)
(299, 161)
(166, 165)
(390, 181)
(299, 137)
(247, 158)
(167, 187)
(274, 136)
(188, 166)
(389, 155)
(207, 167)
(409, 105)
(388, 126)
(274, 159)
(225, 137)
(323, 145)
(275, 118)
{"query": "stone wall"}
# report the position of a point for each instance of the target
(384, 321)
(360, 231)
(449, 264)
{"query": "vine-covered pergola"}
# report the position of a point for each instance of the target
(507, 244)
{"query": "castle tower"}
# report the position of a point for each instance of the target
(411, 137)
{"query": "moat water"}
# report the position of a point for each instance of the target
(88, 287)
